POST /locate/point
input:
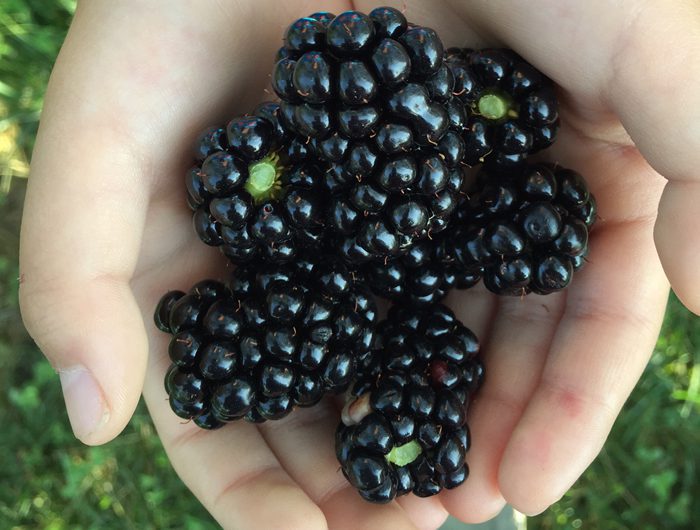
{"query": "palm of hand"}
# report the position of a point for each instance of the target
(558, 367)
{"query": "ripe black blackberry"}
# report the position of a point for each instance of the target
(374, 99)
(274, 338)
(513, 110)
(525, 230)
(424, 275)
(404, 428)
(250, 196)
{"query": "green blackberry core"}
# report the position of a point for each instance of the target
(402, 455)
(264, 178)
(493, 106)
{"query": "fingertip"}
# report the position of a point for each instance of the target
(87, 408)
(101, 400)
(530, 457)
(426, 513)
(677, 239)
(95, 418)
(94, 337)
(491, 508)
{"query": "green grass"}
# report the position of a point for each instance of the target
(645, 477)
(31, 32)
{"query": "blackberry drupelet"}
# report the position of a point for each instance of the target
(513, 110)
(374, 99)
(276, 337)
(404, 427)
(249, 196)
(527, 229)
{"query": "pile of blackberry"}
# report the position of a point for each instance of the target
(272, 339)
(353, 185)
(404, 429)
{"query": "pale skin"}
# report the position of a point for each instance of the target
(106, 232)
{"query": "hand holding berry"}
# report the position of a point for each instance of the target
(106, 232)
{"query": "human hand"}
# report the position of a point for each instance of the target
(107, 232)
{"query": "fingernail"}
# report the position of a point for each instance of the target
(84, 401)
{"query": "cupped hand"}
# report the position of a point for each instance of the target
(106, 232)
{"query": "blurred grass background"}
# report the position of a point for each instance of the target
(645, 478)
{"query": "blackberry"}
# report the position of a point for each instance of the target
(249, 196)
(525, 230)
(513, 110)
(404, 427)
(424, 275)
(272, 339)
(373, 97)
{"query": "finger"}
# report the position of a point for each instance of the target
(657, 103)
(627, 190)
(475, 308)
(304, 443)
(377, 516)
(677, 238)
(79, 245)
(659, 108)
(608, 330)
(93, 170)
(426, 513)
(513, 343)
(519, 342)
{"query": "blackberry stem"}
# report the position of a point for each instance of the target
(493, 106)
(401, 455)
(263, 178)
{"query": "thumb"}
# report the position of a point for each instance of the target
(80, 238)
